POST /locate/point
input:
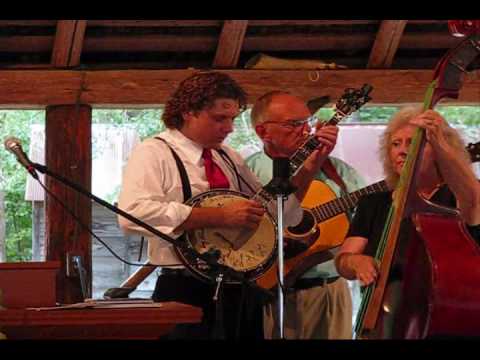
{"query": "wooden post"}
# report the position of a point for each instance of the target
(68, 153)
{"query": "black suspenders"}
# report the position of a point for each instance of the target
(187, 190)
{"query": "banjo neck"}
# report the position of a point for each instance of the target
(310, 145)
(263, 196)
(351, 101)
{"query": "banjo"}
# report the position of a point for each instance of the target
(251, 252)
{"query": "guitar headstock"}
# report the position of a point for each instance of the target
(353, 99)
(474, 151)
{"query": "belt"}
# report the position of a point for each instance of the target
(175, 272)
(307, 283)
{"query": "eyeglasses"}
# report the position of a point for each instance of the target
(295, 124)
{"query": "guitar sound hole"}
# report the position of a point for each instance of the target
(296, 247)
(307, 223)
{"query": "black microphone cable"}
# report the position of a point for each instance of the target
(77, 219)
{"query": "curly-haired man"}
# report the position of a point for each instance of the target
(198, 116)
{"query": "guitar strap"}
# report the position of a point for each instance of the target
(332, 173)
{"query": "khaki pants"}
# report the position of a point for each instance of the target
(322, 312)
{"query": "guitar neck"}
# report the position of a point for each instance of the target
(310, 145)
(337, 206)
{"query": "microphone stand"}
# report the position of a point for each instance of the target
(281, 187)
(209, 258)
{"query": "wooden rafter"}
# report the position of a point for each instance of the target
(386, 44)
(155, 23)
(230, 43)
(68, 43)
(205, 43)
(204, 23)
(27, 22)
(153, 87)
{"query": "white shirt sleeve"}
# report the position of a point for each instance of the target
(151, 192)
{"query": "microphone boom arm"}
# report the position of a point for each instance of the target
(208, 258)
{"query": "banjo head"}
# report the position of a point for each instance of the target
(247, 251)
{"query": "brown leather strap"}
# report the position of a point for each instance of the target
(332, 173)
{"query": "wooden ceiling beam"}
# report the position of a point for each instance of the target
(155, 23)
(330, 22)
(205, 43)
(386, 44)
(206, 23)
(230, 44)
(277, 42)
(311, 22)
(28, 23)
(145, 88)
(26, 44)
(67, 47)
(145, 43)
(148, 42)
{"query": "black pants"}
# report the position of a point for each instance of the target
(240, 309)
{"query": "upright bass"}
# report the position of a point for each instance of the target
(439, 290)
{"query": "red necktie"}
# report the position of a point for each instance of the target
(215, 175)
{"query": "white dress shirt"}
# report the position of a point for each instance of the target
(152, 189)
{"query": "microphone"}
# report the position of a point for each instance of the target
(280, 183)
(13, 145)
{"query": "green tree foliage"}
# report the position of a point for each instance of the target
(146, 122)
(377, 114)
(244, 134)
(13, 179)
(366, 114)
(464, 118)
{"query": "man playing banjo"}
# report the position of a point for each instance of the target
(199, 116)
